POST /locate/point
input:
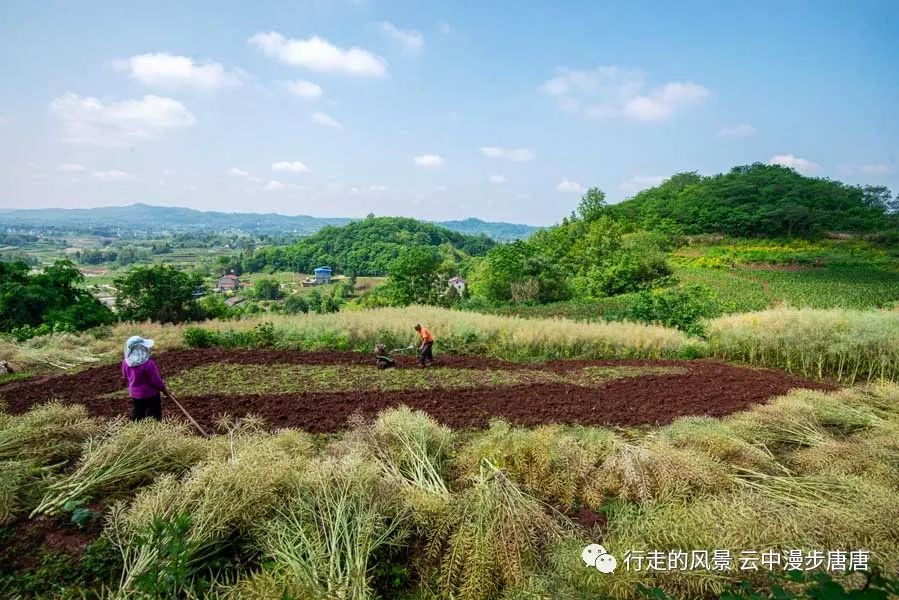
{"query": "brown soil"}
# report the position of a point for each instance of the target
(29, 539)
(705, 388)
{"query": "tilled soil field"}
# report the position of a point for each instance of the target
(703, 388)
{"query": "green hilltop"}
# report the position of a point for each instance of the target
(759, 201)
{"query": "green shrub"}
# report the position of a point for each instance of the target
(295, 304)
(197, 337)
(262, 335)
(681, 307)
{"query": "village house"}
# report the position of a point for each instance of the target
(458, 284)
(322, 276)
(228, 283)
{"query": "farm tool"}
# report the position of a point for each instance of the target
(187, 414)
(406, 349)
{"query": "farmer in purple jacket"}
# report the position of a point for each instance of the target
(145, 384)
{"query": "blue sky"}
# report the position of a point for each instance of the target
(438, 110)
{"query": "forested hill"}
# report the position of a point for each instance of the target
(144, 218)
(758, 200)
(365, 247)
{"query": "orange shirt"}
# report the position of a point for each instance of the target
(426, 335)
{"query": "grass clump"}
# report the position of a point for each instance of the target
(34, 447)
(873, 455)
(804, 418)
(413, 451)
(123, 457)
(720, 441)
(22, 484)
(779, 427)
(341, 511)
(773, 513)
(460, 332)
(552, 462)
(847, 345)
(492, 538)
(654, 470)
(224, 498)
(52, 432)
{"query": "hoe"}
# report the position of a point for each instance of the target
(187, 414)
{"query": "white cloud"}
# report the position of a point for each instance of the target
(570, 187)
(275, 186)
(304, 89)
(428, 160)
(377, 189)
(872, 169)
(318, 54)
(161, 69)
(412, 41)
(91, 121)
(169, 172)
(235, 172)
(800, 165)
(70, 168)
(736, 131)
(513, 154)
(326, 120)
(662, 102)
(497, 179)
(111, 175)
(640, 182)
(444, 28)
(294, 166)
(610, 92)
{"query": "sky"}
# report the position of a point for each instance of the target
(437, 110)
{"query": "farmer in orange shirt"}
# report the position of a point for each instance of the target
(427, 344)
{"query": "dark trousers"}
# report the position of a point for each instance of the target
(426, 355)
(141, 408)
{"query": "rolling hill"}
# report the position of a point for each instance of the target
(157, 219)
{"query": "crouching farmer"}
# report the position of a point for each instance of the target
(145, 384)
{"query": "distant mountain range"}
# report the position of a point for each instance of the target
(158, 219)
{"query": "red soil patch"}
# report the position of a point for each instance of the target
(706, 388)
(30, 538)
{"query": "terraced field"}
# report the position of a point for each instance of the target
(320, 391)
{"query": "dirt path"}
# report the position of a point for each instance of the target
(705, 388)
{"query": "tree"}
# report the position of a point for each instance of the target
(54, 298)
(592, 206)
(876, 196)
(157, 293)
(519, 266)
(267, 289)
(295, 304)
(415, 277)
(756, 200)
(212, 306)
(364, 247)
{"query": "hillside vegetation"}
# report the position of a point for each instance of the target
(365, 247)
(757, 201)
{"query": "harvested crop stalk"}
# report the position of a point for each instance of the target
(124, 457)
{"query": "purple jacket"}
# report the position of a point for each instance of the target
(144, 381)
